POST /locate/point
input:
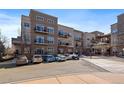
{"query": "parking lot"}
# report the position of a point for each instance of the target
(9, 72)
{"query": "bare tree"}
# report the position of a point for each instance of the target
(3, 41)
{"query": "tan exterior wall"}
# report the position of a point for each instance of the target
(67, 39)
(87, 37)
(120, 26)
(78, 44)
(46, 24)
(114, 37)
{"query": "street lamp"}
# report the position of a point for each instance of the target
(91, 47)
(122, 51)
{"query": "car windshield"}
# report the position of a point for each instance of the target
(37, 56)
(50, 56)
(61, 55)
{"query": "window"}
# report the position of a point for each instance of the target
(39, 39)
(39, 51)
(50, 21)
(50, 39)
(39, 18)
(39, 28)
(62, 33)
(60, 42)
(50, 30)
(26, 25)
(50, 50)
(78, 38)
(26, 37)
(114, 31)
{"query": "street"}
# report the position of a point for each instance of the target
(10, 73)
(99, 69)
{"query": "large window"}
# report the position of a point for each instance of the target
(51, 21)
(39, 39)
(39, 18)
(114, 31)
(62, 33)
(39, 28)
(60, 42)
(77, 38)
(26, 25)
(50, 39)
(50, 50)
(50, 30)
(39, 51)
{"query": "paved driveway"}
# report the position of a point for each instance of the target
(11, 73)
(112, 64)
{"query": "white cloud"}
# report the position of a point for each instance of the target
(9, 25)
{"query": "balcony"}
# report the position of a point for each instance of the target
(77, 39)
(41, 42)
(39, 30)
(107, 41)
(63, 44)
(64, 35)
(16, 41)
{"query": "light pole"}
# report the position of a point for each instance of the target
(91, 47)
(91, 51)
(123, 52)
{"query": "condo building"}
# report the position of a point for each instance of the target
(103, 45)
(41, 34)
(120, 27)
(78, 41)
(65, 39)
(96, 43)
(114, 38)
(87, 37)
(117, 36)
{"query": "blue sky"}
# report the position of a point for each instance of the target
(86, 20)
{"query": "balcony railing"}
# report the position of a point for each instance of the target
(64, 35)
(41, 30)
(16, 41)
(63, 44)
(77, 40)
(45, 42)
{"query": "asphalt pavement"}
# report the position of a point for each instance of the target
(9, 72)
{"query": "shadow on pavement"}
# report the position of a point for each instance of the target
(12, 64)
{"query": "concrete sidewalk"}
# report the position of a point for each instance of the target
(112, 64)
(91, 78)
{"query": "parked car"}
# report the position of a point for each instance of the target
(37, 59)
(21, 60)
(75, 56)
(68, 57)
(48, 58)
(72, 56)
(60, 57)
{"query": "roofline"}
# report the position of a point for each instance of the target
(120, 14)
(65, 26)
(114, 24)
(42, 13)
(78, 31)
